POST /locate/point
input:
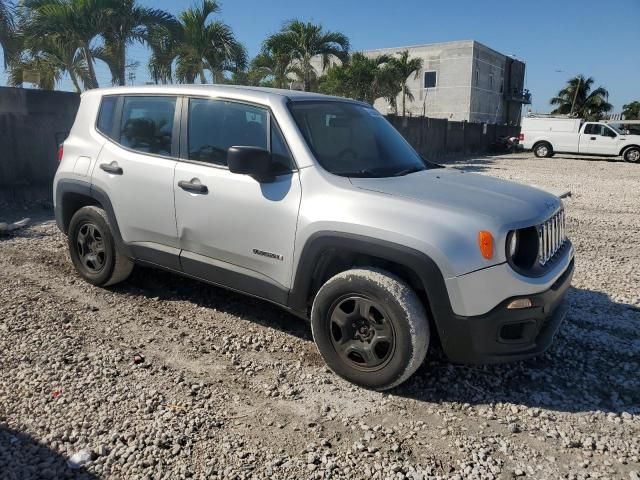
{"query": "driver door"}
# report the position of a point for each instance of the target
(234, 230)
(599, 139)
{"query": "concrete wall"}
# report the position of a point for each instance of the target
(32, 123)
(451, 97)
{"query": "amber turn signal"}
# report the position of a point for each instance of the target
(485, 242)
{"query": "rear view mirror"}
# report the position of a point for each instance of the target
(254, 161)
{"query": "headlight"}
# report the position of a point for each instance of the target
(522, 248)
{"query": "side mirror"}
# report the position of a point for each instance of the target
(254, 161)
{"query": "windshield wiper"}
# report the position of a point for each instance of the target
(407, 171)
(359, 174)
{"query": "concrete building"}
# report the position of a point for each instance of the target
(462, 80)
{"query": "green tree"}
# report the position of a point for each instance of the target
(631, 111)
(6, 30)
(361, 78)
(270, 68)
(77, 24)
(197, 44)
(301, 42)
(125, 22)
(400, 68)
(579, 98)
(50, 59)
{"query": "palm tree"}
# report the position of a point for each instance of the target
(77, 24)
(400, 69)
(196, 45)
(578, 98)
(124, 22)
(273, 67)
(6, 30)
(361, 78)
(631, 111)
(50, 59)
(303, 41)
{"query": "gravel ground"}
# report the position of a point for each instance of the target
(163, 377)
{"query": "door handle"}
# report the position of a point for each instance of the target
(193, 185)
(112, 168)
(593, 138)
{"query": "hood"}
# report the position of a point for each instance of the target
(480, 195)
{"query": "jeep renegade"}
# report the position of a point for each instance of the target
(319, 205)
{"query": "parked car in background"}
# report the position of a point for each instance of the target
(319, 205)
(549, 135)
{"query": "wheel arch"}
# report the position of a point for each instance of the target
(624, 149)
(72, 195)
(328, 253)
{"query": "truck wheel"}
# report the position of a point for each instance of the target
(632, 155)
(370, 327)
(543, 150)
(93, 250)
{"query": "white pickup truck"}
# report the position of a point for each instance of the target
(549, 135)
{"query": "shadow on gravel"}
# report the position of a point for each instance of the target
(592, 365)
(22, 457)
(151, 283)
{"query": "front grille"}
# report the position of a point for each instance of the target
(551, 237)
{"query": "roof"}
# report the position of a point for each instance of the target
(259, 94)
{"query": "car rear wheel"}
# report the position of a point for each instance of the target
(543, 150)
(632, 155)
(370, 327)
(93, 250)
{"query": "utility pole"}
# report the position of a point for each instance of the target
(575, 95)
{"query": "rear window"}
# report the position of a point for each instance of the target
(105, 116)
(147, 124)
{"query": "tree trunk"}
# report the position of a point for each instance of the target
(86, 50)
(404, 95)
(74, 80)
(203, 79)
(122, 53)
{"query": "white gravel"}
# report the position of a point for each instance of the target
(230, 387)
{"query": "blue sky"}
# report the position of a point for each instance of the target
(597, 38)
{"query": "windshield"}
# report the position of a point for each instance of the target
(616, 129)
(354, 140)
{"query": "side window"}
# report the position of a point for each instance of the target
(147, 124)
(430, 79)
(105, 116)
(279, 151)
(216, 125)
(607, 132)
(590, 129)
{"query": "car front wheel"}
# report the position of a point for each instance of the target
(370, 327)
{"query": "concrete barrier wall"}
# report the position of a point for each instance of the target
(32, 123)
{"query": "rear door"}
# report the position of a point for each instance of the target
(234, 230)
(135, 170)
(598, 139)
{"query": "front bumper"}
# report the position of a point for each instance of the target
(503, 335)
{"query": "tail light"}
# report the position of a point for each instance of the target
(60, 152)
(521, 137)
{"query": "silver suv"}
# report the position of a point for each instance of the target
(316, 204)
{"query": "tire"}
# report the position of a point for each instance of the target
(543, 150)
(632, 155)
(93, 250)
(380, 349)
